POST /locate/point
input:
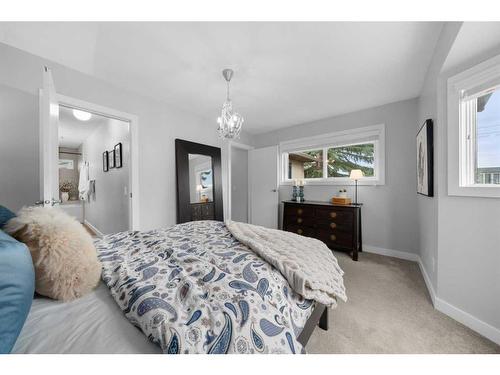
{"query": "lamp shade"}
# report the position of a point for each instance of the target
(356, 174)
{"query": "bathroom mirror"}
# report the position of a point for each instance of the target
(199, 182)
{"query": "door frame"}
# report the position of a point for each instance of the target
(133, 120)
(241, 146)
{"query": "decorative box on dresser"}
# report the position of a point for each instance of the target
(338, 226)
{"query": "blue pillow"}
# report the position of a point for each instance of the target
(17, 286)
(5, 215)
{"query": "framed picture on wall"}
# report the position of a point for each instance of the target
(118, 155)
(105, 165)
(111, 158)
(425, 159)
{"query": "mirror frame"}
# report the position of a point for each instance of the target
(182, 150)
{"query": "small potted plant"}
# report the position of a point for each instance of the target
(343, 193)
(65, 187)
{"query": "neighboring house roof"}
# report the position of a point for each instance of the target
(300, 156)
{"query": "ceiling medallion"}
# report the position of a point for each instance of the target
(230, 122)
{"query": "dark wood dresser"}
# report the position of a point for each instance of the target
(338, 226)
(202, 211)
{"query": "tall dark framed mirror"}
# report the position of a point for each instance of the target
(199, 182)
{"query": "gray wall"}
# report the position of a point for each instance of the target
(239, 185)
(108, 210)
(19, 178)
(427, 207)
(459, 236)
(469, 235)
(159, 125)
(389, 219)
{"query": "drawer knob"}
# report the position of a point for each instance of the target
(299, 211)
(333, 237)
(299, 231)
(299, 220)
(333, 225)
(333, 215)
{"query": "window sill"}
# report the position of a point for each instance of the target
(478, 191)
(336, 182)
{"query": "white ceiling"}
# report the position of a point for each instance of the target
(72, 132)
(285, 73)
(466, 43)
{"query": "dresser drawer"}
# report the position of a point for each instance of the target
(299, 220)
(334, 214)
(334, 225)
(300, 229)
(298, 210)
(338, 238)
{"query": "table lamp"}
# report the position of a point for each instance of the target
(356, 174)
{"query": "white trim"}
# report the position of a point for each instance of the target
(468, 320)
(242, 146)
(134, 148)
(427, 280)
(460, 150)
(94, 229)
(367, 134)
(391, 253)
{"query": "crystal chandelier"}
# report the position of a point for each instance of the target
(229, 122)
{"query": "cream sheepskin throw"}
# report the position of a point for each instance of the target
(64, 256)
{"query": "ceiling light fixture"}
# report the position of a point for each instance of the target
(230, 122)
(82, 115)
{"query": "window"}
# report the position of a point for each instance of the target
(305, 164)
(343, 159)
(66, 164)
(487, 139)
(329, 159)
(474, 131)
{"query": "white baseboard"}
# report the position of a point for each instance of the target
(94, 229)
(468, 320)
(428, 281)
(391, 253)
(483, 328)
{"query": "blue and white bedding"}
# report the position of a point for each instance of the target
(193, 288)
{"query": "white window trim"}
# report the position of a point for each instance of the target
(461, 134)
(368, 134)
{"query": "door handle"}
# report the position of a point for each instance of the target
(55, 201)
(274, 190)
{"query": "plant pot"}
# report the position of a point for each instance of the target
(64, 196)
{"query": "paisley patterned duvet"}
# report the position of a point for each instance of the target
(193, 288)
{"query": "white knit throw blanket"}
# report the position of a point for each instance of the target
(308, 265)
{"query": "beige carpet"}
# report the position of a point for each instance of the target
(389, 311)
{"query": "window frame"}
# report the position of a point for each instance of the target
(370, 134)
(461, 128)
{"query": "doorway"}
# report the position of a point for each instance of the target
(239, 184)
(94, 169)
(97, 146)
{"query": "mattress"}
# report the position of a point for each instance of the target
(91, 324)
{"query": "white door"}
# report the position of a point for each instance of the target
(263, 185)
(49, 142)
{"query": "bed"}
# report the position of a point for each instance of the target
(191, 288)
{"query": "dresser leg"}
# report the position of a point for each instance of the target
(355, 254)
(323, 321)
(360, 233)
